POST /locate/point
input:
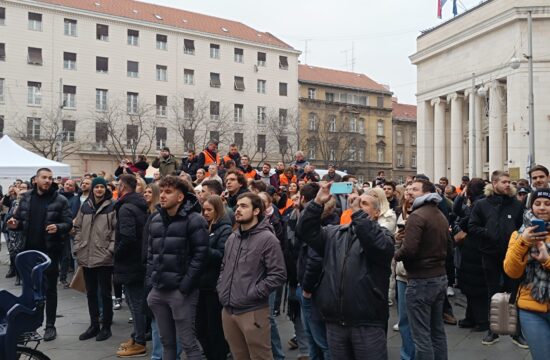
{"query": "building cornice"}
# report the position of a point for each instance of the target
(338, 86)
(146, 24)
(492, 23)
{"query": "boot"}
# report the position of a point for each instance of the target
(17, 280)
(104, 333)
(11, 272)
(90, 332)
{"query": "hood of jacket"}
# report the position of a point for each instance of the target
(490, 191)
(108, 196)
(262, 225)
(225, 220)
(132, 198)
(426, 199)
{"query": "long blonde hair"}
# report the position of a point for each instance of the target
(381, 196)
(219, 208)
(155, 199)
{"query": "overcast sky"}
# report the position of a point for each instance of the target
(383, 33)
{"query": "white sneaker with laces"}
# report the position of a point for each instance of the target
(450, 291)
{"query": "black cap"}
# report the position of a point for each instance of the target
(523, 190)
(465, 178)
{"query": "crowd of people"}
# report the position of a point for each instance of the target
(211, 250)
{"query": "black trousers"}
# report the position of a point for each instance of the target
(209, 326)
(99, 278)
(50, 276)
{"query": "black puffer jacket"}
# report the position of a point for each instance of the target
(493, 220)
(354, 286)
(57, 212)
(216, 245)
(177, 248)
(131, 214)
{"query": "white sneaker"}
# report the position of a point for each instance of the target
(450, 291)
(396, 327)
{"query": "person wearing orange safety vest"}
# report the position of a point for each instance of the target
(209, 156)
(247, 170)
(233, 154)
(288, 177)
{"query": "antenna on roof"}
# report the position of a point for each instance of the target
(352, 62)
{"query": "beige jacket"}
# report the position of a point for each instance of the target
(94, 239)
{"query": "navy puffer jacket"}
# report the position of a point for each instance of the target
(177, 248)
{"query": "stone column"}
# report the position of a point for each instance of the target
(479, 113)
(424, 138)
(457, 154)
(440, 164)
(471, 138)
(496, 123)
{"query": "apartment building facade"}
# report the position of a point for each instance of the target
(345, 120)
(107, 80)
(404, 141)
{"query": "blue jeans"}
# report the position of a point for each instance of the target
(407, 343)
(536, 329)
(276, 346)
(156, 352)
(425, 298)
(315, 330)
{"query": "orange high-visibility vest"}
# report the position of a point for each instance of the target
(208, 159)
(283, 180)
(251, 174)
(346, 217)
(288, 204)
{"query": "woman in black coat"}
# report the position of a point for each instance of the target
(209, 320)
(470, 279)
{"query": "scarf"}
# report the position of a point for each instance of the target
(536, 276)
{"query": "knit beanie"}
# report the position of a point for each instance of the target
(539, 193)
(99, 181)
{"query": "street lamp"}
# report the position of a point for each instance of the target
(515, 64)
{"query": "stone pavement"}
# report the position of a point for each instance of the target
(73, 320)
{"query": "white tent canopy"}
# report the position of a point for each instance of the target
(16, 162)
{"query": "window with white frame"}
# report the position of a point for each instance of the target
(399, 137)
(162, 73)
(33, 128)
(34, 56)
(380, 128)
(101, 133)
(261, 115)
(35, 21)
(69, 27)
(188, 76)
(312, 121)
(69, 61)
(311, 151)
(353, 124)
(189, 46)
(261, 143)
(380, 154)
(101, 99)
(102, 32)
(34, 95)
(413, 137)
(283, 117)
(188, 108)
(69, 96)
(214, 51)
(329, 97)
(238, 113)
(132, 102)
(101, 64)
(215, 80)
(283, 62)
(332, 123)
(261, 86)
(132, 69)
(311, 93)
(413, 160)
(69, 129)
(361, 125)
(133, 37)
(214, 110)
(161, 105)
(2, 90)
(400, 159)
(162, 42)
(161, 137)
(239, 55)
(262, 59)
(239, 83)
(361, 154)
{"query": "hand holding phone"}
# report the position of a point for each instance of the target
(541, 225)
(341, 188)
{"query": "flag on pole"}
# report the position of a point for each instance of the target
(441, 3)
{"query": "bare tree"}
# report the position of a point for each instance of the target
(127, 132)
(47, 135)
(284, 131)
(337, 140)
(198, 119)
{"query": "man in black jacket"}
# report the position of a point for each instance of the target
(45, 219)
(177, 251)
(129, 269)
(353, 293)
(190, 164)
(492, 222)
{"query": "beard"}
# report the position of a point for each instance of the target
(244, 220)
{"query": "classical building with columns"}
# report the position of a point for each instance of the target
(473, 103)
